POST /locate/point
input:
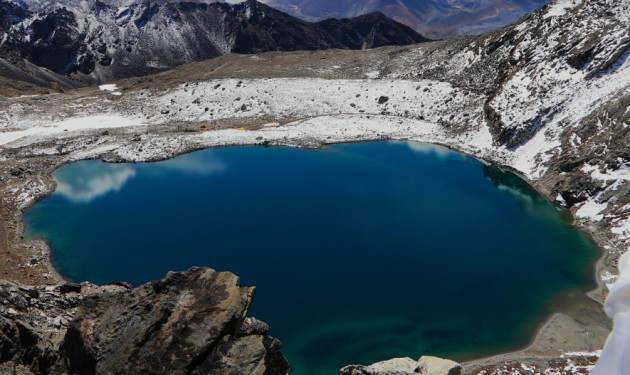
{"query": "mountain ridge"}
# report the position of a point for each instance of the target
(106, 42)
(437, 19)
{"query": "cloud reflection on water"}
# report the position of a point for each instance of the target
(85, 181)
(440, 152)
(201, 163)
(88, 181)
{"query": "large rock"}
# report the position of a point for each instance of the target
(191, 322)
(395, 364)
(426, 365)
(22, 343)
(187, 323)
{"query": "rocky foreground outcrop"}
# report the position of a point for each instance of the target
(191, 322)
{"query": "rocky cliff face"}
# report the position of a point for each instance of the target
(192, 322)
(106, 42)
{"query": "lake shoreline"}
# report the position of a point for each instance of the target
(83, 249)
(540, 350)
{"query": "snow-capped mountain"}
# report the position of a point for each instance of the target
(107, 41)
(50, 5)
(433, 18)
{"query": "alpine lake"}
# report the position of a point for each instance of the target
(359, 252)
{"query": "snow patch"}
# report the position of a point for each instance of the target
(591, 210)
(109, 87)
(614, 358)
(72, 124)
(560, 8)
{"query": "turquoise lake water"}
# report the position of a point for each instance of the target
(360, 252)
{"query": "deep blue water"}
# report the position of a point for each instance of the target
(360, 252)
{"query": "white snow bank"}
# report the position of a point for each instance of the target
(615, 358)
(316, 130)
(528, 157)
(591, 210)
(335, 128)
(72, 124)
(110, 87)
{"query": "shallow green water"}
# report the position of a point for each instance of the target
(360, 252)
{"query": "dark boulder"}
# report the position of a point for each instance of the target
(70, 288)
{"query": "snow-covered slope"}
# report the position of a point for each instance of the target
(86, 5)
(559, 106)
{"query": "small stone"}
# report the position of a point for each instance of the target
(123, 284)
(253, 326)
(19, 302)
(32, 292)
(70, 288)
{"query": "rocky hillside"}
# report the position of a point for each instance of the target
(106, 42)
(192, 322)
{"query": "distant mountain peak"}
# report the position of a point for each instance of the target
(433, 18)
